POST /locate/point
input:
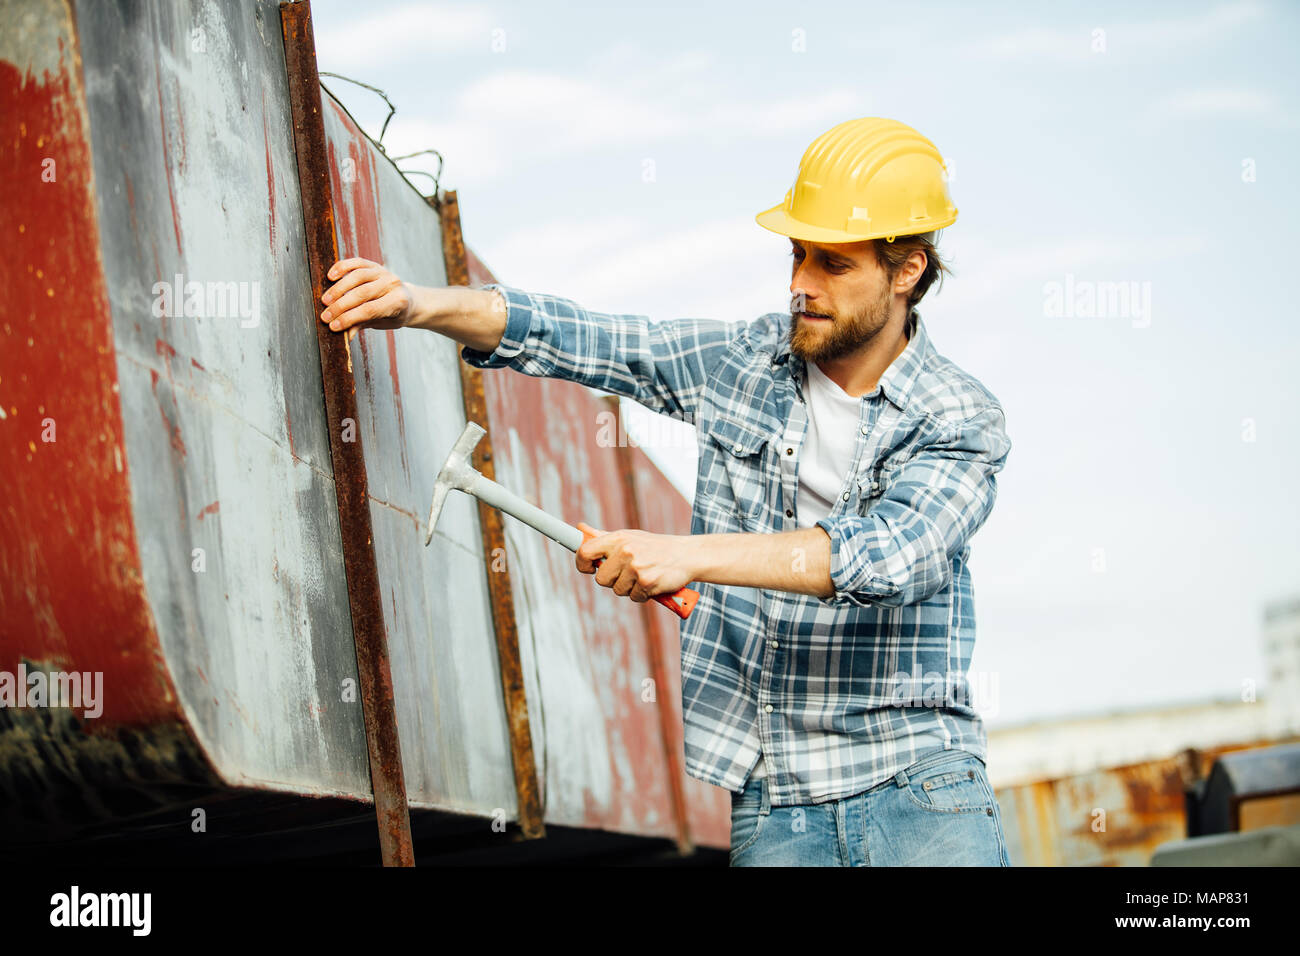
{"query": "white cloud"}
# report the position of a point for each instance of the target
(516, 118)
(358, 44)
(813, 113)
(986, 271)
(607, 263)
(1238, 102)
(1172, 34)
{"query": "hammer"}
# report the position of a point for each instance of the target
(458, 474)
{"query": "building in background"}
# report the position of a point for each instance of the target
(1106, 789)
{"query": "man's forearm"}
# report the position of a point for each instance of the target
(798, 561)
(473, 317)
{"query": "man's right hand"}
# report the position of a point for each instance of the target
(366, 295)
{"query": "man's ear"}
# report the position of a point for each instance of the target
(910, 274)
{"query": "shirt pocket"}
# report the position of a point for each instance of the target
(742, 449)
(872, 484)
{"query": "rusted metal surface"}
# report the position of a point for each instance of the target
(1111, 817)
(601, 751)
(364, 596)
(593, 698)
(131, 565)
(72, 594)
(195, 509)
(225, 441)
(673, 755)
(455, 740)
(494, 550)
(661, 507)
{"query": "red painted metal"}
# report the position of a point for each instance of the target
(626, 456)
(661, 507)
(71, 592)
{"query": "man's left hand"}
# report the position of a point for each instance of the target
(637, 564)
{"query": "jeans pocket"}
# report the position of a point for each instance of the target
(746, 817)
(958, 785)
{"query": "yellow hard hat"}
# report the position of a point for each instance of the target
(869, 178)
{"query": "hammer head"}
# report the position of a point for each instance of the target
(457, 473)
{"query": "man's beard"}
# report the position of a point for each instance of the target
(841, 335)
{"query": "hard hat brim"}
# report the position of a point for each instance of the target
(782, 223)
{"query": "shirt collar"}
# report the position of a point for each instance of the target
(897, 380)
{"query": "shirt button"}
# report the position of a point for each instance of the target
(738, 449)
(866, 429)
(846, 496)
(875, 486)
(789, 513)
(789, 451)
(773, 643)
(767, 709)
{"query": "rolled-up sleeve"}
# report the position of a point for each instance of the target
(663, 365)
(518, 322)
(901, 551)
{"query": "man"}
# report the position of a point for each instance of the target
(844, 466)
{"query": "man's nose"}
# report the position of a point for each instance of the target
(802, 296)
(800, 301)
(799, 283)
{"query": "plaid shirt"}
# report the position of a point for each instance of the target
(840, 693)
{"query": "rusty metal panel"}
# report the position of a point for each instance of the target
(190, 500)
(599, 747)
(451, 711)
(585, 651)
(225, 440)
(71, 594)
(604, 759)
(662, 508)
(494, 548)
(351, 485)
(1111, 817)
(653, 622)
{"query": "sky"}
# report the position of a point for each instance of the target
(617, 155)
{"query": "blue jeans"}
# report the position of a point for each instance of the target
(940, 811)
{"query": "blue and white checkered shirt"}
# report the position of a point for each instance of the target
(840, 693)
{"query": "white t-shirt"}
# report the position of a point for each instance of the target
(830, 439)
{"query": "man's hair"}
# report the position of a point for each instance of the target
(892, 255)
